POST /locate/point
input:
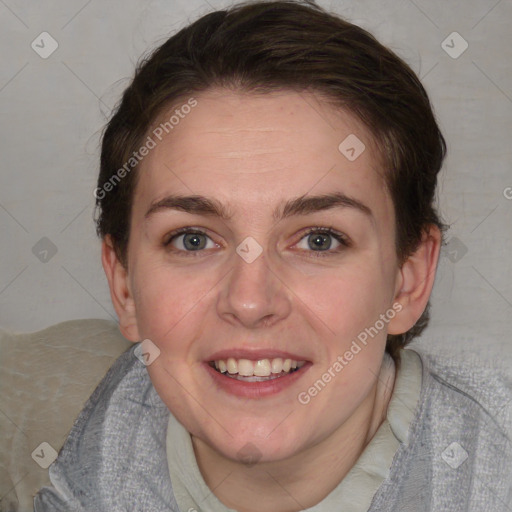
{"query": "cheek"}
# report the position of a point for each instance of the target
(349, 298)
(170, 302)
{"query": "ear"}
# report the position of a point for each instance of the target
(415, 280)
(120, 293)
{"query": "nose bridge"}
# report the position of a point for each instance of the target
(253, 293)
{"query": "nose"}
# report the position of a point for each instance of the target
(253, 295)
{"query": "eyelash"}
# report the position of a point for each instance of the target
(340, 237)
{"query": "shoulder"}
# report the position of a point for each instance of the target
(482, 384)
(117, 440)
(463, 433)
(458, 451)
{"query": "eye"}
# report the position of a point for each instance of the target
(190, 239)
(187, 241)
(319, 240)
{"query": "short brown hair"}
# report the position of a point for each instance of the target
(265, 46)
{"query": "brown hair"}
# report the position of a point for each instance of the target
(265, 46)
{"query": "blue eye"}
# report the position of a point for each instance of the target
(319, 240)
(192, 239)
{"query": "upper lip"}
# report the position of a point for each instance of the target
(254, 354)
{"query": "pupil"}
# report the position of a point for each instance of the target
(318, 239)
(193, 239)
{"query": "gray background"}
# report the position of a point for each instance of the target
(53, 110)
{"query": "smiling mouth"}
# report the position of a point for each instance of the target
(256, 371)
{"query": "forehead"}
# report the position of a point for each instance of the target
(255, 150)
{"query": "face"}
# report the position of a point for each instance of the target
(267, 282)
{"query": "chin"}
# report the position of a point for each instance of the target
(251, 449)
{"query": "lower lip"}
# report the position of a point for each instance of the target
(255, 389)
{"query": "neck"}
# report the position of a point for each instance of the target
(306, 478)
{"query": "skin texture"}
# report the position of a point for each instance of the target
(252, 153)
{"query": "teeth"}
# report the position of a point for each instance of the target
(245, 368)
(277, 365)
(260, 368)
(232, 365)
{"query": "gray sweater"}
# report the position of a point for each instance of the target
(457, 456)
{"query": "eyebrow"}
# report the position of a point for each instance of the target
(303, 205)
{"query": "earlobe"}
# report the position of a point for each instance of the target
(415, 281)
(120, 293)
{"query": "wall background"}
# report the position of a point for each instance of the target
(52, 112)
